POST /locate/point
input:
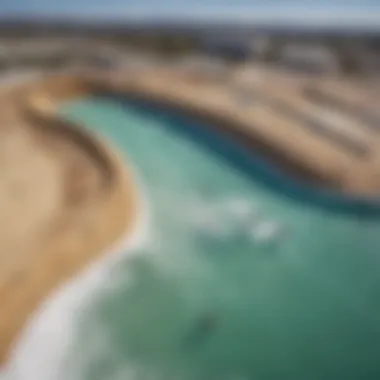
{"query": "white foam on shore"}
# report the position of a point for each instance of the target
(41, 350)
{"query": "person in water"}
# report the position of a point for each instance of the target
(204, 326)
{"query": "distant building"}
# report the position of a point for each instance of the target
(227, 49)
(312, 58)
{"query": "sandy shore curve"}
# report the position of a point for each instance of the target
(79, 199)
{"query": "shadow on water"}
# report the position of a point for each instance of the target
(251, 165)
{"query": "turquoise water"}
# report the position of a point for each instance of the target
(212, 295)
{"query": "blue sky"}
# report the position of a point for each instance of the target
(340, 11)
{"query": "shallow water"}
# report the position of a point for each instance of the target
(285, 290)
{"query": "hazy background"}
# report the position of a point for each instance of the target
(321, 12)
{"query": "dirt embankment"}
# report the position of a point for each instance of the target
(320, 144)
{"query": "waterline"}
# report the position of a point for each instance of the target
(40, 351)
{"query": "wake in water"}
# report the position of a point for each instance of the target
(234, 218)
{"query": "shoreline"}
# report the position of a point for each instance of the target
(62, 306)
(268, 117)
(107, 210)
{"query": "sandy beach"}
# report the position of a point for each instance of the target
(61, 204)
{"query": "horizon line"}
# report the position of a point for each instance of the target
(297, 17)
